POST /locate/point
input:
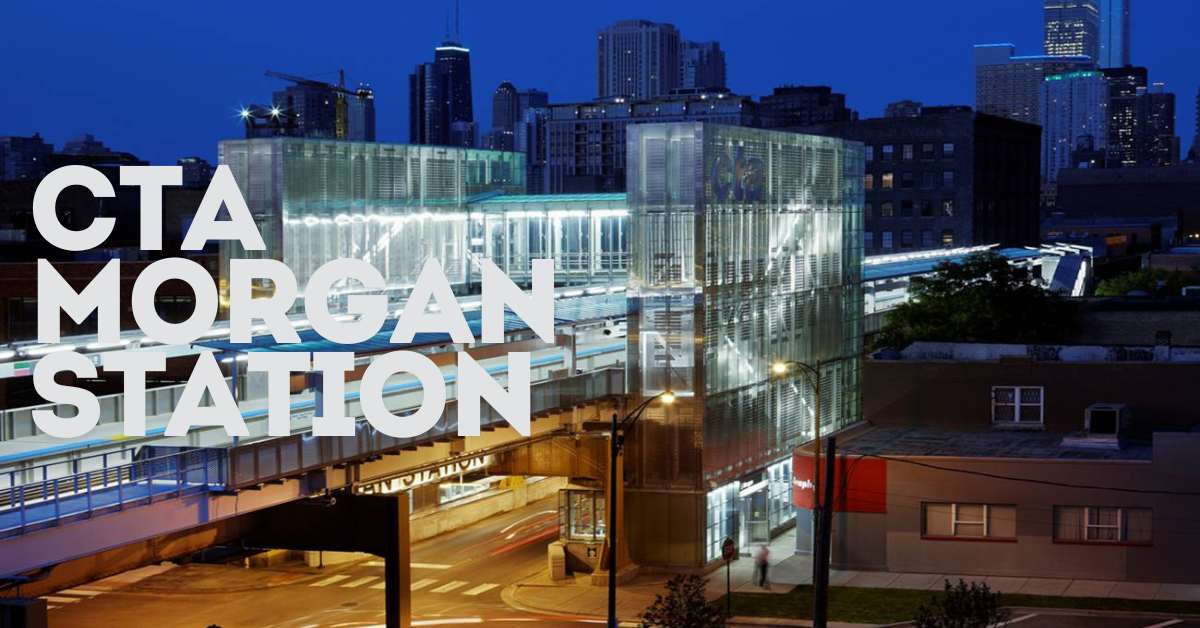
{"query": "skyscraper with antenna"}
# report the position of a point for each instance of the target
(440, 106)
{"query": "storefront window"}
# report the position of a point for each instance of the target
(779, 477)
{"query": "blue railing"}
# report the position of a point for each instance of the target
(53, 501)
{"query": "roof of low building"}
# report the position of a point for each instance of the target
(992, 443)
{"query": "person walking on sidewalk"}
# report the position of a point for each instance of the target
(761, 564)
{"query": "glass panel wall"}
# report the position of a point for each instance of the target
(746, 250)
(392, 205)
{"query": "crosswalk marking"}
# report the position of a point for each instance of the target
(483, 588)
(358, 583)
(330, 580)
(59, 600)
(84, 592)
(416, 586)
(449, 586)
(1169, 622)
(439, 566)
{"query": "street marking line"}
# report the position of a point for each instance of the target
(1017, 620)
(84, 592)
(429, 566)
(449, 586)
(330, 580)
(358, 583)
(59, 600)
(483, 588)
(50, 608)
(1169, 622)
(374, 563)
(416, 586)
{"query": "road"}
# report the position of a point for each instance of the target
(457, 580)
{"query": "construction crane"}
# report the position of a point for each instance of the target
(341, 129)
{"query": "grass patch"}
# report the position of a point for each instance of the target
(885, 606)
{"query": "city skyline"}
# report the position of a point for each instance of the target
(933, 69)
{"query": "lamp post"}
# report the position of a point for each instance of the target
(813, 375)
(616, 441)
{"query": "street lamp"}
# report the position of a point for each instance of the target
(812, 374)
(616, 441)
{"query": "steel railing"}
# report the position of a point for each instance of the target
(52, 501)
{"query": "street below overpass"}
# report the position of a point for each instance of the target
(457, 579)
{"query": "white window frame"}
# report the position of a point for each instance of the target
(1017, 405)
(955, 521)
(1089, 524)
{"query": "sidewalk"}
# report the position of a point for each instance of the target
(580, 597)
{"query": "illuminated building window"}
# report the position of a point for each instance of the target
(887, 240)
(888, 152)
(887, 181)
(869, 182)
(966, 521)
(886, 209)
(947, 207)
(948, 150)
(906, 152)
(906, 238)
(926, 238)
(947, 237)
(948, 179)
(1097, 524)
(927, 151)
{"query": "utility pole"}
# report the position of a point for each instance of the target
(824, 537)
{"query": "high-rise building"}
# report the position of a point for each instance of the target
(1157, 143)
(506, 111)
(310, 109)
(637, 59)
(1074, 114)
(360, 114)
(1114, 33)
(526, 100)
(24, 158)
(1125, 84)
(1072, 27)
(1009, 85)
(948, 177)
(439, 97)
(584, 143)
(701, 65)
(805, 105)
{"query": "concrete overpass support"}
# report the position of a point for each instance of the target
(345, 522)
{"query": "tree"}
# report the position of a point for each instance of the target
(1152, 281)
(981, 299)
(683, 606)
(962, 605)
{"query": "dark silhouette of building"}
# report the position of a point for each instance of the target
(582, 145)
(1157, 143)
(506, 110)
(361, 114)
(197, 172)
(804, 105)
(1172, 191)
(317, 109)
(637, 59)
(1124, 85)
(24, 158)
(440, 110)
(701, 65)
(902, 109)
(948, 177)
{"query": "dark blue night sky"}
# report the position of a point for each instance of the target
(164, 79)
